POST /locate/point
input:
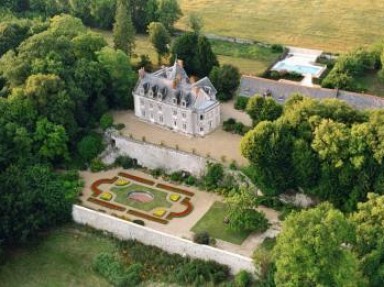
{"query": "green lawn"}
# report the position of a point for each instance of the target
(372, 84)
(213, 223)
(331, 25)
(63, 258)
(159, 197)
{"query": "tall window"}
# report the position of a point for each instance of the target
(184, 126)
(175, 112)
(184, 114)
(201, 117)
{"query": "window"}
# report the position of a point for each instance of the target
(201, 129)
(160, 107)
(185, 127)
(174, 101)
(161, 119)
(152, 116)
(201, 117)
(184, 114)
(184, 103)
(143, 113)
(141, 91)
(175, 112)
(174, 123)
(151, 106)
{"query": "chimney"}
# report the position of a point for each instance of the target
(141, 73)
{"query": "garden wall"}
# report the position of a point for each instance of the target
(126, 230)
(154, 156)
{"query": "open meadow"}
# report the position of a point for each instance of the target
(330, 25)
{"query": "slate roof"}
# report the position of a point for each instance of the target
(171, 83)
(281, 91)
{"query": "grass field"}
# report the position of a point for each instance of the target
(213, 223)
(158, 201)
(64, 258)
(250, 59)
(331, 25)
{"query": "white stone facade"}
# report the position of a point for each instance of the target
(170, 99)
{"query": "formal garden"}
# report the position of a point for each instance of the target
(140, 198)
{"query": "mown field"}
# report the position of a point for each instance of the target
(330, 25)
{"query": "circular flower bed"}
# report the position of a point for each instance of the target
(107, 196)
(141, 196)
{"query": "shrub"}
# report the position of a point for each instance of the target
(243, 279)
(97, 165)
(106, 121)
(215, 173)
(157, 172)
(119, 126)
(191, 180)
(177, 176)
(241, 103)
(277, 48)
(201, 238)
(248, 220)
(139, 222)
(126, 162)
(197, 272)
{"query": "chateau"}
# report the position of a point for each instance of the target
(170, 99)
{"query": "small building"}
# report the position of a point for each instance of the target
(169, 98)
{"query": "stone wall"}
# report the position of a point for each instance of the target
(154, 156)
(127, 231)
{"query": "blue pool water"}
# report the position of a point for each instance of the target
(301, 69)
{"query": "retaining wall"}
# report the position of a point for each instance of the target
(154, 156)
(128, 231)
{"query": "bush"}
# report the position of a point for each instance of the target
(243, 279)
(248, 220)
(191, 180)
(157, 172)
(201, 238)
(277, 48)
(198, 272)
(126, 162)
(106, 121)
(97, 165)
(239, 128)
(139, 222)
(177, 176)
(241, 103)
(119, 126)
(107, 266)
(215, 173)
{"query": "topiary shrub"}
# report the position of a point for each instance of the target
(201, 238)
(241, 103)
(243, 279)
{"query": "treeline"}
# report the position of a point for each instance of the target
(101, 13)
(325, 149)
(56, 81)
(350, 66)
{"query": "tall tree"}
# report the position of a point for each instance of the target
(195, 23)
(226, 79)
(159, 38)
(312, 250)
(369, 244)
(168, 13)
(123, 30)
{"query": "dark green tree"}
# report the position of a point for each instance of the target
(159, 38)
(123, 30)
(168, 13)
(226, 79)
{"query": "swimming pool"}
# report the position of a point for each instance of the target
(290, 66)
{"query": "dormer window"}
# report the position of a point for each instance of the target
(174, 101)
(159, 96)
(150, 93)
(184, 103)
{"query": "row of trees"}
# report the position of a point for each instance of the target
(101, 13)
(56, 81)
(336, 250)
(325, 149)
